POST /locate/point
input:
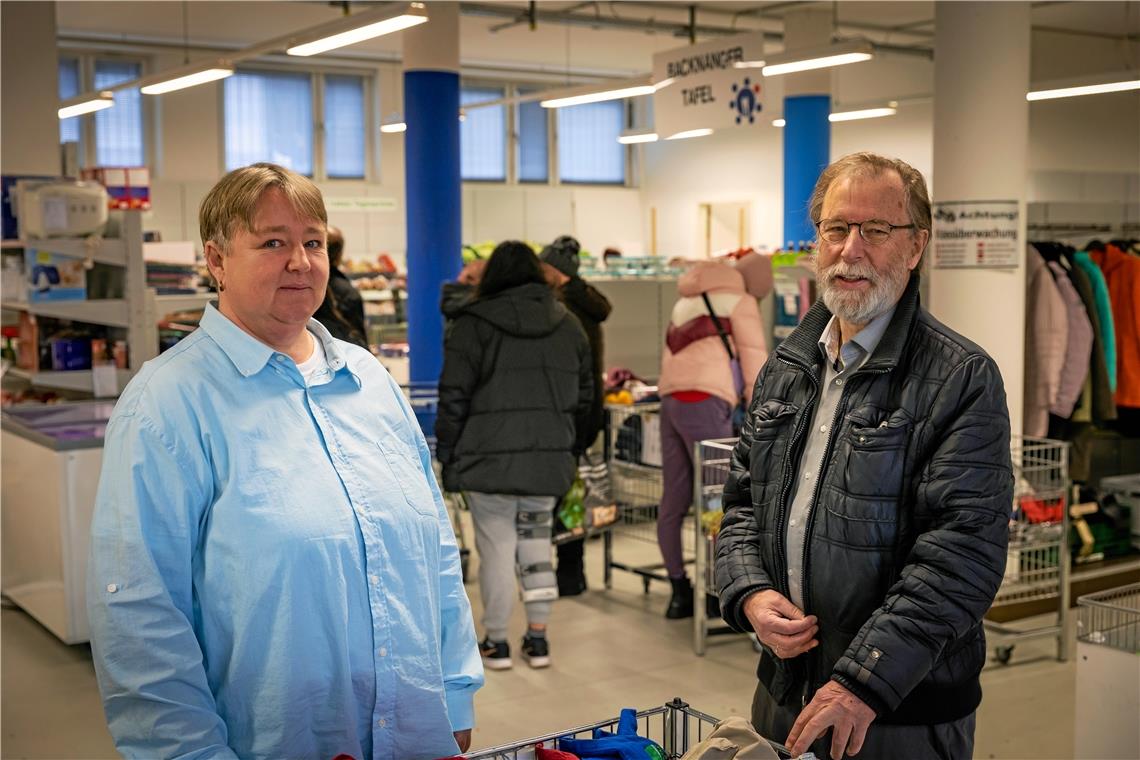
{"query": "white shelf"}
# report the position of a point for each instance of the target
(103, 250)
(179, 302)
(106, 311)
(75, 380)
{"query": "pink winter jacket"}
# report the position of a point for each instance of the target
(694, 358)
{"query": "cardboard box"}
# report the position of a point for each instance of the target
(51, 277)
(127, 186)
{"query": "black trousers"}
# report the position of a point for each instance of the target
(944, 741)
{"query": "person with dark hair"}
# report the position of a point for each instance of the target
(515, 396)
(560, 264)
(342, 311)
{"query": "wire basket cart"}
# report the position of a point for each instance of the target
(633, 459)
(1108, 674)
(1037, 565)
(711, 464)
(675, 726)
(424, 399)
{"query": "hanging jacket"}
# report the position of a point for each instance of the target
(694, 358)
(514, 395)
(1104, 312)
(1078, 349)
(1122, 276)
(1100, 406)
(906, 540)
(1046, 338)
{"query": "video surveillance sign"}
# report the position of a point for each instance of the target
(976, 235)
(713, 85)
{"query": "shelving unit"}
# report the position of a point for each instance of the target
(138, 311)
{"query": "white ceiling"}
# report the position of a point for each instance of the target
(557, 48)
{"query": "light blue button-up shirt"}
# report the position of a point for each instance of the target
(272, 570)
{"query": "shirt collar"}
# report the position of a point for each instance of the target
(863, 343)
(249, 355)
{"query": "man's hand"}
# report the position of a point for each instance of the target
(463, 739)
(554, 277)
(780, 625)
(832, 707)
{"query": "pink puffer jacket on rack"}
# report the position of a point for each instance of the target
(694, 358)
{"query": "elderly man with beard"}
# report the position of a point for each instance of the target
(865, 516)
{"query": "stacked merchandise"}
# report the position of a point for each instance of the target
(1082, 373)
(172, 279)
(794, 289)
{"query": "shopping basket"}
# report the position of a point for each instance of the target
(675, 726)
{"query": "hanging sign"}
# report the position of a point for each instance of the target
(976, 234)
(701, 86)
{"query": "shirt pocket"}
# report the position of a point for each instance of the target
(410, 477)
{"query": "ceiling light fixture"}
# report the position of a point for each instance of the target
(82, 104)
(863, 113)
(393, 127)
(808, 59)
(749, 64)
(1089, 89)
(690, 133)
(186, 76)
(779, 122)
(597, 93)
(357, 28)
(634, 136)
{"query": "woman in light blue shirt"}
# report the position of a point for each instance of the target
(272, 571)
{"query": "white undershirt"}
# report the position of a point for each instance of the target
(315, 364)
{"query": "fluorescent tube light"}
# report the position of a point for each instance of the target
(749, 64)
(659, 86)
(393, 127)
(1091, 89)
(187, 76)
(818, 58)
(865, 113)
(779, 122)
(358, 28)
(633, 136)
(596, 93)
(86, 104)
(690, 133)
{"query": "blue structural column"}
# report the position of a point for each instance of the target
(807, 132)
(807, 149)
(432, 182)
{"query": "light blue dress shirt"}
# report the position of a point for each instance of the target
(272, 571)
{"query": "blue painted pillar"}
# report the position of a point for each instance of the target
(807, 132)
(432, 181)
(807, 150)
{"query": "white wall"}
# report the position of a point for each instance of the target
(29, 66)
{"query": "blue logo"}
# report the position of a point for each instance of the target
(746, 101)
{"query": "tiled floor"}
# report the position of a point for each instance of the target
(610, 649)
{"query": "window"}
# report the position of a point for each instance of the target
(117, 133)
(588, 150)
(344, 127)
(119, 130)
(483, 136)
(269, 117)
(532, 149)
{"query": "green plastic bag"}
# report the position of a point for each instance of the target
(572, 510)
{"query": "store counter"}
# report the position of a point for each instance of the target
(51, 457)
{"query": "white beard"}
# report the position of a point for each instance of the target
(859, 308)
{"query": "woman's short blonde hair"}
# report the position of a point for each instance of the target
(233, 201)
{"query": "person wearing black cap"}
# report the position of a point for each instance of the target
(560, 261)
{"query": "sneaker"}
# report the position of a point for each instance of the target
(536, 651)
(496, 654)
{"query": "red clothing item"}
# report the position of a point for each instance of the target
(690, 397)
(1122, 273)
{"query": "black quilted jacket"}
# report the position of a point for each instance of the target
(907, 537)
(514, 395)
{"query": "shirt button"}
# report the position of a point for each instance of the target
(381, 723)
(807, 476)
(383, 651)
(839, 381)
(112, 588)
(280, 357)
(792, 523)
(823, 428)
(374, 580)
(791, 573)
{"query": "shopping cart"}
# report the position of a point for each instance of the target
(424, 400)
(633, 458)
(675, 726)
(1108, 674)
(1037, 566)
(711, 465)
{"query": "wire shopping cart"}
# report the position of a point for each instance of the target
(1037, 566)
(675, 726)
(1108, 674)
(633, 458)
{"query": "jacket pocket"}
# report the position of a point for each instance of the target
(875, 455)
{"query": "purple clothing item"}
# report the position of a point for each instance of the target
(1078, 349)
(683, 424)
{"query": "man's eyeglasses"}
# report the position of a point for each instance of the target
(874, 231)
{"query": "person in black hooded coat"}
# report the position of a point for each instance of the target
(515, 398)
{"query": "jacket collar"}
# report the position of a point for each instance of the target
(803, 344)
